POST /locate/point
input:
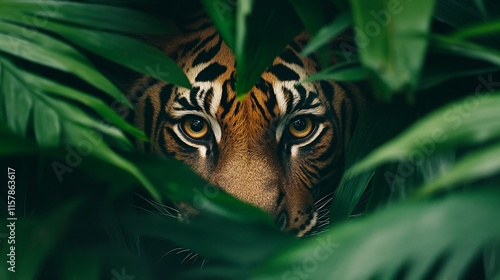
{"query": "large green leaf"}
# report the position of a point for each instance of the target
(12, 144)
(223, 15)
(475, 165)
(467, 49)
(95, 16)
(117, 48)
(391, 37)
(263, 29)
(327, 33)
(43, 49)
(54, 89)
(445, 235)
(477, 30)
(470, 121)
(50, 114)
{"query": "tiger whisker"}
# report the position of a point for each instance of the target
(186, 258)
(203, 263)
(162, 208)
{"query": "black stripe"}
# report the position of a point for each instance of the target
(284, 73)
(328, 90)
(296, 47)
(311, 173)
(224, 102)
(208, 99)
(186, 105)
(192, 98)
(289, 56)
(163, 146)
(331, 148)
(343, 115)
(271, 101)
(189, 46)
(257, 104)
(135, 96)
(211, 72)
(289, 99)
(148, 114)
(181, 143)
(148, 125)
(165, 94)
(203, 43)
(302, 95)
(206, 56)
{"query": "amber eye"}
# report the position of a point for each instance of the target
(301, 127)
(195, 127)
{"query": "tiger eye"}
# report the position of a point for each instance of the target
(195, 127)
(300, 127)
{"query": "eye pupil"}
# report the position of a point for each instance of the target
(299, 125)
(197, 125)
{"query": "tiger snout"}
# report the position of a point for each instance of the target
(259, 180)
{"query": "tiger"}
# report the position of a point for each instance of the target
(274, 148)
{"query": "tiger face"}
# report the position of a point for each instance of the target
(270, 149)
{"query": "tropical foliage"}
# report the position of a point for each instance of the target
(420, 198)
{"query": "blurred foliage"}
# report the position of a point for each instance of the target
(419, 198)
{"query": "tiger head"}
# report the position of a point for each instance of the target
(270, 149)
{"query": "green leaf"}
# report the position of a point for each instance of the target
(54, 89)
(47, 126)
(391, 37)
(474, 166)
(117, 48)
(338, 73)
(12, 144)
(235, 248)
(446, 234)
(376, 125)
(470, 121)
(327, 33)
(459, 13)
(17, 105)
(477, 30)
(45, 50)
(76, 133)
(222, 14)
(86, 15)
(263, 29)
(467, 49)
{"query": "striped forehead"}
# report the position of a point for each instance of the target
(297, 98)
(204, 97)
